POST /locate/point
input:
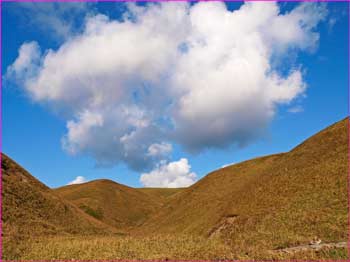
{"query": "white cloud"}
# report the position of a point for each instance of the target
(172, 175)
(200, 76)
(77, 130)
(78, 180)
(160, 149)
(296, 109)
(226, 165)
(26, 65)
(229, 88)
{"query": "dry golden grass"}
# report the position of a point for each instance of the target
(277, 201)
(151, 247)
(162, 194)
(156, 247)
(239, 212)
(117, 205)
(323, 254)
(29, 208)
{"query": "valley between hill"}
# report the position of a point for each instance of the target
(244, 211)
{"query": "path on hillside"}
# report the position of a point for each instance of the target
(315, 247)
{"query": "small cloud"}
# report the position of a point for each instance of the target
(171, 175)
(296, 109)
(331, 23)
(161, 149)
(78, 180)
(230, 164)
(26, 64)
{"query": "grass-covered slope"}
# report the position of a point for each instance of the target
(269, 202)
(241, 211)
(163, 194)
(29, 208)
(117, 205)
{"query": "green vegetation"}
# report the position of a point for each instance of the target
(98, 213)
(244, 211)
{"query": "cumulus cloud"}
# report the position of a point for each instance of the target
(172, 175)
(78, 180)
(200, 76)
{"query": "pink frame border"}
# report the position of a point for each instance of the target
(134, 260)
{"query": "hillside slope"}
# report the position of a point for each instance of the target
(274, 201)
(29, 208)
(160, 193)
(117, 205)
(267, 203)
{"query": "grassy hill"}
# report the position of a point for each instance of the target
(117, 205)
(240, 211)
(29, 208)
(269, 202)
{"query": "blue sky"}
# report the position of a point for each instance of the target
(33, 129)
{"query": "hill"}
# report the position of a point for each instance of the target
(269, 202)
(279, 201)
(29, 208)
(117, 205)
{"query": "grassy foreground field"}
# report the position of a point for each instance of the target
(155, 247)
